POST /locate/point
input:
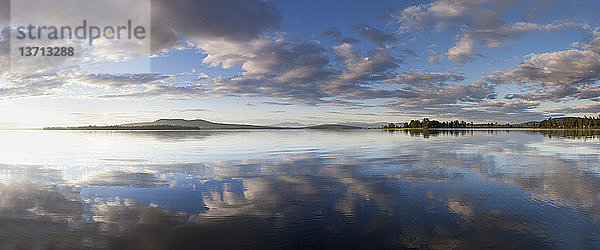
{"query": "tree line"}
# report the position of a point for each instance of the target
(557, 123)
(570, 123)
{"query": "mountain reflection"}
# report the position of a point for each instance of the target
(406, 189)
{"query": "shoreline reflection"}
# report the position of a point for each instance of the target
(406, 189)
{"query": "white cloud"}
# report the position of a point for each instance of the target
(567, 67)
(427, 80)
(463, 50)
(478, 21)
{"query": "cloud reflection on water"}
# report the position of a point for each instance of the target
(435, 189)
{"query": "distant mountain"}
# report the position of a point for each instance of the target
(351, 124)
(531, 123)
(290, 125)
(167, 124)
(332, 126)
(368, 125)
(197, 124)
(564, 118)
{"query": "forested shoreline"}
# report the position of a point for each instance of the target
(550, 123)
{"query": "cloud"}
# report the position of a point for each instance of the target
(174, 24)
(277, 103)
(553, 76)
(116, 81)
(594, 44)
(451, 95)
(557, 94)
(474, 101)
(346, 52)
(167, 91)
(358, 76)
(485, 17)
(435, 59)
(300, 72)
(593, 108)
(271, 68)
(266, 56)
(339, 38)
(4, 46)
(440, 14)
(143, 85)
(409, 52)
(479, 21)
(374, 35)
(510, 106)
(563, 68)
(426, 80)
(25, 86)
(463, 50)
(467, 92)
(252, 191)
(191, 110)
(122, 178)
(493, 36)
(188, 20)
(246, 34)
(181, 23)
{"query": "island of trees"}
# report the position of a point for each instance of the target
(550, 123)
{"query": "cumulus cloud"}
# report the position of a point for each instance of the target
(594, 44)
(170, 92)
(143, 85)
(271, 67)
(174, 24)
(553, 76)
(493, 36)
(102, 85)
(480, 21)
(485, 16)
(116, 81)
(568, 67)
(354, 82)
(235, 33)
(426, 80)
(593, 108)
(187, 20)
(463, 50)
(440, 14)
(300, 72)
(450, 98)
(29, 85)
(509, 106)
(346, 52)
(123, 178)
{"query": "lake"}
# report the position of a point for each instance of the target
(300, 189)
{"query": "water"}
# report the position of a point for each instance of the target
(300, 189)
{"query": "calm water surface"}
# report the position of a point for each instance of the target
(300, 189)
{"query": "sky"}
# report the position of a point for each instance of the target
(267, 62)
